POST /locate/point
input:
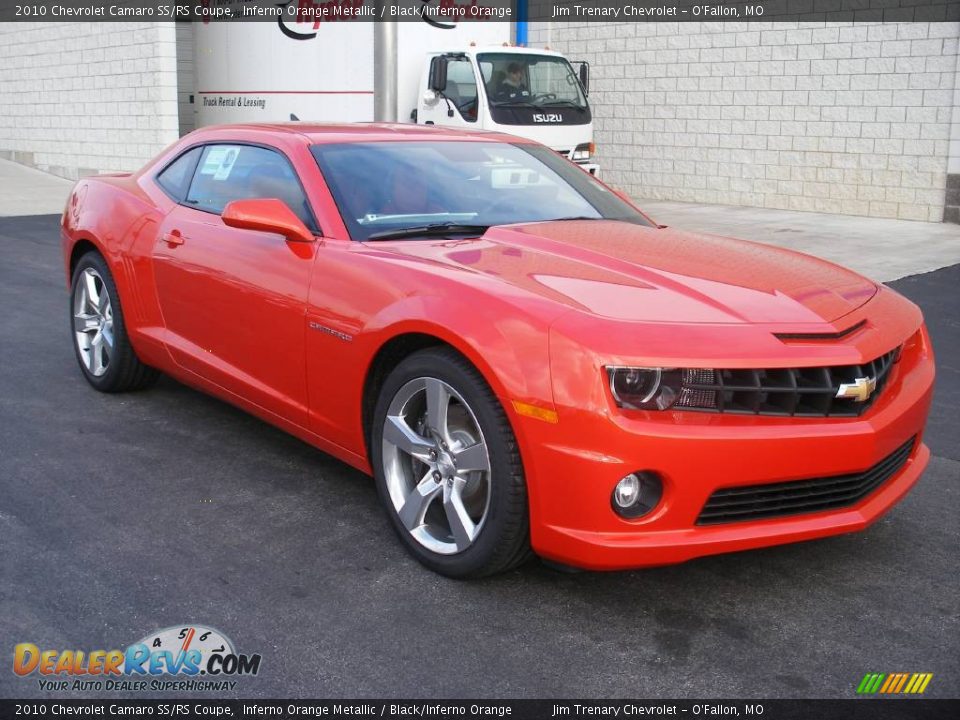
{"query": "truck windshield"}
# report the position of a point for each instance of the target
(383, 189)
(541, 80)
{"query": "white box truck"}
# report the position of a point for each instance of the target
(461, 75)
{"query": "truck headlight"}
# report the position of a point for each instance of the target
(583, 152)
(637, 388)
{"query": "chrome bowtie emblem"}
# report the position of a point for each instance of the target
(859, 390)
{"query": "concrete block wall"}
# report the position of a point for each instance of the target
(826, 117)
(82, 98)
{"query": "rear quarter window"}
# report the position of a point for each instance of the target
(175, 178)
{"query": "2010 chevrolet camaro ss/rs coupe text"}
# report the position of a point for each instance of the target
(524, 361)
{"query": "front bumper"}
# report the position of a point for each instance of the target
(577, 462)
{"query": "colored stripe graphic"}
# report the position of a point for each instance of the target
(894, 683)
(900, 684)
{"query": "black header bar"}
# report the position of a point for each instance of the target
(854, 709)
(447, 12)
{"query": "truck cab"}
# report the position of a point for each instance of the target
(523, 91)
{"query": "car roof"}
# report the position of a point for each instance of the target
(318, 133)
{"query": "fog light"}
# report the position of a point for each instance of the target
(637, 494)
(627, 491)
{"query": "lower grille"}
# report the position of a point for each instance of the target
(753, 502)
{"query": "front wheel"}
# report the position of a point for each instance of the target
(448, 469)
(100, 340)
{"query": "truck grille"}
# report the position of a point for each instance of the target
(802, 392)
(754, 502)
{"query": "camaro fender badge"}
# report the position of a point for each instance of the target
(859, 390)
(331, 331)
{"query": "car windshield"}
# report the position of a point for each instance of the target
(382, 187)
(541, 80)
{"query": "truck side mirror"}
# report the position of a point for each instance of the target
(438, 74)
(584, 75)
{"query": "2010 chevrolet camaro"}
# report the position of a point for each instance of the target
(524, 361)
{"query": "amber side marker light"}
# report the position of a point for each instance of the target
(536, 412)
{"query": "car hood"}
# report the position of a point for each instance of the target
(632, 272)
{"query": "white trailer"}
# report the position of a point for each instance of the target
(465, 76)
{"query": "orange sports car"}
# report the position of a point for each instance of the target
(523, 360)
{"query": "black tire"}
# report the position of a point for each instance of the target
(124, 371)
(503, 540)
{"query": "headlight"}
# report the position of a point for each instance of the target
(645, 388)
(583, 152)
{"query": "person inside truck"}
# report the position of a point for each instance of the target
(512, 86)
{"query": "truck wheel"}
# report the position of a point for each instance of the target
(100, 340)
(447, 467)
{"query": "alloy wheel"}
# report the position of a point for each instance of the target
(436, 465)
(93, 322)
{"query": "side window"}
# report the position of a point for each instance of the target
(241, 172)
(462, 88)
(175, 178)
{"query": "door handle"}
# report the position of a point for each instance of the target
(173, 238)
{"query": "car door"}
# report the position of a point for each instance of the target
(234, 301)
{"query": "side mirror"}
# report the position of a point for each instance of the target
(584, 74)
(438, 74)
(266, 215)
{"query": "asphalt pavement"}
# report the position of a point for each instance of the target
(124, 514)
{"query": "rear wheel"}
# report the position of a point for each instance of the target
(100, 340)
(447, 467)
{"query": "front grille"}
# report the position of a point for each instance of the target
(799, 392)
(754, 502)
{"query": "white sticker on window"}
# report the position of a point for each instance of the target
(219, 162)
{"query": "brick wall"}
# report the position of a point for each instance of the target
(80, 98)
(828, 117)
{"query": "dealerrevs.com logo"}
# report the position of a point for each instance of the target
(185, 658)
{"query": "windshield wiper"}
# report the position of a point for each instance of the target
(517, 103)
(432, 230)
(566, 103)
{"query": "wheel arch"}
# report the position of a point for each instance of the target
(397, 347)
(508, 347)
(81, 246)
